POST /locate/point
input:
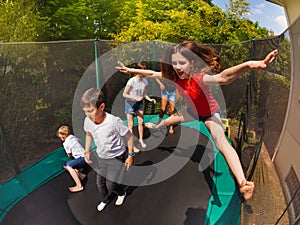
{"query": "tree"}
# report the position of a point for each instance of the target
(177, 20)
(19, 21)
(237, 9)
(243, 29)
(80, 19)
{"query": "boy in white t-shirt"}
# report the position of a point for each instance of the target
(75, 151)
(107, 131)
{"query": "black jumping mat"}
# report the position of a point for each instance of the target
(181, 199)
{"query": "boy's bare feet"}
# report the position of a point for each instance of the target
(171, 130)
(246, 189)
(75, 189)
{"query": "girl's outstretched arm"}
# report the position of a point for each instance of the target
(229, 75)
(147, 73)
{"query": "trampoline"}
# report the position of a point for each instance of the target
(187, 198)
(38, 194)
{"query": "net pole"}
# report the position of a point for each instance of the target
(96, 63)
(153, 81)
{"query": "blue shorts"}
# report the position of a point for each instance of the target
(76, 163)
(170, 95)
(132, 106)
(202, 118)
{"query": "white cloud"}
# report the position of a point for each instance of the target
(261, 6)
(281, 20)
(258, 9)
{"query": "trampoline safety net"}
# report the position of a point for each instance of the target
(39, 81)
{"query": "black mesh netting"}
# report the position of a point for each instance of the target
(38, 83)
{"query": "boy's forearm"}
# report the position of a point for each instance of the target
(88, 143)
(130, 143)
(129, 138)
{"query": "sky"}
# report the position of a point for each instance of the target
(267, 14)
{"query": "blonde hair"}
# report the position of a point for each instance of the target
(64, 131)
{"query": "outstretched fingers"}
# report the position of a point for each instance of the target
(270, 57)
(122, 68)
(120, 64)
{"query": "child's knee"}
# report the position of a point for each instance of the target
(67, 166)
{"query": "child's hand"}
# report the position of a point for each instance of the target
(122, 68)
(270, 57)
(87, 158)
(162, 87)
(139, 99)
(264, 63)
(128, 162)
(246, 189)
(153, 100)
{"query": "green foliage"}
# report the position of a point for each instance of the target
(37, 84)
(80, 19)
(127, 20)
(283, 63)
(19, 21)
(193, 20)
(238, 8)
(23, 91)
(63, 116)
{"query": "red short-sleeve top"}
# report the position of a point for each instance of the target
(198, 95)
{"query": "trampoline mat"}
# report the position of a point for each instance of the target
(181, 199)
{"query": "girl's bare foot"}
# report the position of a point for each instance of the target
(151, 125)
(75, 189)
(136, 150)
(246, 189)
(142, 143)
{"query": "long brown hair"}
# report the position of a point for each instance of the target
(205, 58)
(140, 65)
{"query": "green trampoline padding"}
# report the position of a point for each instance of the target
(30, 179)
(224, 205)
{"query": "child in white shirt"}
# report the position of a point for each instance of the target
(75, 151)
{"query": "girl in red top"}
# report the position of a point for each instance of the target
(190, 65)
